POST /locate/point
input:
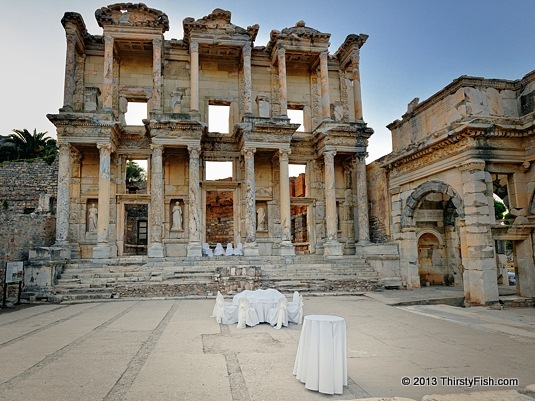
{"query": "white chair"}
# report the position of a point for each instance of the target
(219, 251)
(238, 251)
(246, 314)
(278, 316)
(206, 251)
(230, 250)
(218, 307)
(295, 309)
(229, 314)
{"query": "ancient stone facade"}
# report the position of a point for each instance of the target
(181, 82)
(451, 154)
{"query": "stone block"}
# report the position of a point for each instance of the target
(475, 186)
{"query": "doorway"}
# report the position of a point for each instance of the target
(135, 239)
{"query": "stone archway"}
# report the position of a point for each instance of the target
(407, 216)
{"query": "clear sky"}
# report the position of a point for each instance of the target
(414, 49)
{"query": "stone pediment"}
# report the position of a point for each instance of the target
(299, 37)
(347, 137)
(217, 24)
(128, 14)
(265, 132)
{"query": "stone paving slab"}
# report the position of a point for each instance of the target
(165, 349)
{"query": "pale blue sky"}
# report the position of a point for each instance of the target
(415, 47)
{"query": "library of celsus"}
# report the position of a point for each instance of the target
(215, 68)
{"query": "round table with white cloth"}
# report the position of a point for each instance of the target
(321, 360)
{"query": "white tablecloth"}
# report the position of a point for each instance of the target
(321, 360)
(261, 300)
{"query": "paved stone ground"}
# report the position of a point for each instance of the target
(173, 350)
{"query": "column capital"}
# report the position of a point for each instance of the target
(64, 149)
(194, 47)
(355, 58)
(156, 147)
(281, 51)
(473, 165)
(157, 42)
(284, 154)
(105, 148)
(248, 152)
(194, 151)
(328, 155)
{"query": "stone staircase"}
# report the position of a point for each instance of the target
(137, 276)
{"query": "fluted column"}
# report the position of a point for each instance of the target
(155, 249)
(331, 246)
(247, 78)
(70, 71)
(287, 247)
(156, 75)
(107, 83)
(102, 249)
(195, 227)
(355, 61)
(64, 190)
(194, 76)
(283, 90)
(325, 99)
(362, 199)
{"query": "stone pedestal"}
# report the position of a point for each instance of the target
(155, 250)
(251, 249)
(287, 249)
(332, 248)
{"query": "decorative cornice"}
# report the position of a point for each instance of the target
(476, 128)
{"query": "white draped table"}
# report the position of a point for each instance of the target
(321, 360)
(261, 300)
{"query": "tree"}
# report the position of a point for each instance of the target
(22, 145)
(499, 209)
(134, 173)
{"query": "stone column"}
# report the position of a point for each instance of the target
(480, 281)
(63, 200)
(331, 246)
(102, 249)
(355, 61)
(107, 83)
(156, 104)
(287, 247)
(194, 76)
(155, 249)
(195, 226)
(283, 90)
(247, 77)
(70, 71)
(363, 222)
(250, 247)
(324, 74)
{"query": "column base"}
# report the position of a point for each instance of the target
(155, 250)
(287, 249)
(102, 251)
(332, 248)
(250, 249)
(194, 249)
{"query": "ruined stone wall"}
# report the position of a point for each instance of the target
(379, 203)
(23, 183)
(27, 206)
